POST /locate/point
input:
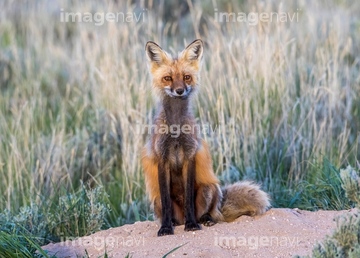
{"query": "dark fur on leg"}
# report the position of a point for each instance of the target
(190, 220)
(166, 209)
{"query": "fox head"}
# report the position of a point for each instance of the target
(178, 76)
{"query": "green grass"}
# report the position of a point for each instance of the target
(23, 245)
(174, 249)
(77, 214)
(284, 97)
(344, 241)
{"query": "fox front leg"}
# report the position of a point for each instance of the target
(190, 219)
(166, 209)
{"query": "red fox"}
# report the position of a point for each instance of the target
(180, 180)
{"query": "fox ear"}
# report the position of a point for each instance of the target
(155, 53)
(194, 51)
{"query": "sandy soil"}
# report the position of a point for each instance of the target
(277, 233)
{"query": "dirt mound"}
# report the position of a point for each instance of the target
(277, 233)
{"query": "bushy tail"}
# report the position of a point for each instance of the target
(243, 198)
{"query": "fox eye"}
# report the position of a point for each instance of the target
(187, 77)
(168, 78)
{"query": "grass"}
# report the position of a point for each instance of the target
(283, 96)
(14, 245)
(173, 250)
(344, 240)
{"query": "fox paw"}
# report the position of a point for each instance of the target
(192, 226)
(207, 220)
(163, 231)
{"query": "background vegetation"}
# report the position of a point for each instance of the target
(345, 240)
(283, 99)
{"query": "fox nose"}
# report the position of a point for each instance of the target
(179, 91)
